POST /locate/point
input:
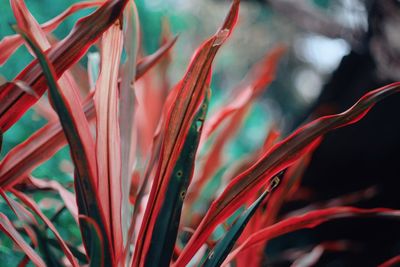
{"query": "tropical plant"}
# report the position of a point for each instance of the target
(142, 195)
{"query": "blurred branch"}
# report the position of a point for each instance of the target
(311, 19)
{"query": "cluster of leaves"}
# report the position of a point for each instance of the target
(137, 198)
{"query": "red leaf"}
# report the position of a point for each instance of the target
(12, 42)
(79, 137)
(127, 108)
(63, 55)
(44, 143)
(7, 227)
(278, 158)
(259, 77)
(32, 205)
(108, 147)
(395, 261)
(67, 197)
(148, 62)
(235, 111)
(187, 97)
(23, 215)
(308, 220)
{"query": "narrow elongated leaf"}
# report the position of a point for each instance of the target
(188, 96)
(67, 197)
(14, 103)
(97, 246)
(108, 147)
(224, 246)
(32, 205)
(127, 108)
(166, 227)
(234, 112)
(24, 17)
(23, 215)
(44, 143)
(75, 251)
(278, 158)
(12, 42)
(38, 148)
(290, 183)
(48, 254)
(395, 261)
(81, 153)
(309, 220)
(148, 62)
(7, 227)
(26, 21)
(309, 259)
(258, 78)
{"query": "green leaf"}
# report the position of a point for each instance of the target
(224, 246)
(80, 144)
(166, 227)
(96, 242)
(49, 256)
(75, 251)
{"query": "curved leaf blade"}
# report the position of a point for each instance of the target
(45, 142)
(309, 220)
(166, 227)
(7, 227)
(14, 102)
(182, 106)
(86, 175)
(278, 158)
(224, 246)
(12, 42)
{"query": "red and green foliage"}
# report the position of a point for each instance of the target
(134, 202)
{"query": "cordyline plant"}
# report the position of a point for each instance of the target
(135, 189)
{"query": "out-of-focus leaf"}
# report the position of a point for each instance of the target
(7, 227)
(77, 253)
(12, 42)
(259, 77)
(67, 197)
(24, 216)
(182, 107)
(308, 220)
(278, 158)
(127, 103)
(32, 205)
(230, 118)
(395, 261)
(14, 102)
(93, 69)
(148, 62)
(48, 254)
(224, 246)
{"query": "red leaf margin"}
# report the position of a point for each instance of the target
(308, 220)
(14, 102)
(278, 158)
(184, 102)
